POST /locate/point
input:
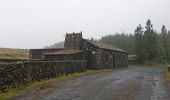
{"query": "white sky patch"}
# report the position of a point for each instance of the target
(37, 23)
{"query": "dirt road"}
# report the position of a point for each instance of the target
(135, 83)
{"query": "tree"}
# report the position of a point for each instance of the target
(151, 42)
(168, 48)
(139, 45)
(123, 40)
(164, 42)
(93, 40)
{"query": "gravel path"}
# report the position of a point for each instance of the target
(143, 83)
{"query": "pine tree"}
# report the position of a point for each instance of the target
(139, 45)
(168, 48)
(164, 42)
(123, 40)
(151, 42)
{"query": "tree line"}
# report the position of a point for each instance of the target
(147, 44)
(124, 41)
(151, 46)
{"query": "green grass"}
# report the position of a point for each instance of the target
(166, 74)
(132, 57)
(7, 53)
(23, 89)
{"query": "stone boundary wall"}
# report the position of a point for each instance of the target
(38, 54)
(21, 73)
(133, 62)
(11, 60)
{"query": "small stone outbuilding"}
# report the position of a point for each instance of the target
(97, 55)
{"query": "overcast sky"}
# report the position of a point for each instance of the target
(37, 23)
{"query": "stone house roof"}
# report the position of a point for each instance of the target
(105, 46)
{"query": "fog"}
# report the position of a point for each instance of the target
(37, 23)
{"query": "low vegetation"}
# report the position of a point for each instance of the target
(132, 57)
(6, 53)
(166, 74)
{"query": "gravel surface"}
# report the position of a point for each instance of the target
(143, 83)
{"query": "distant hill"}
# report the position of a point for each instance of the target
(56, 45)
(8, 53)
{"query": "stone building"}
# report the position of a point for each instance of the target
(97, 55)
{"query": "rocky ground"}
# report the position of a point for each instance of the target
(143, 83)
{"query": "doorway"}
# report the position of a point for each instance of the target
(114, 61)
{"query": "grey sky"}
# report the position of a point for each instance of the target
(37, 23)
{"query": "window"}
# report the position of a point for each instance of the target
(93, 52)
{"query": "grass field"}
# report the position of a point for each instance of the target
(166, 74)
(7, 53)
(132, 57)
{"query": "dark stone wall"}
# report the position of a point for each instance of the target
(121, 59)
(38, 54)
(73, 41)
(134, 62)
(65, 57)
(11, 60)
(110, 59)
(90, 54)
(98, 58)
(15, 74)
(107, 59)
